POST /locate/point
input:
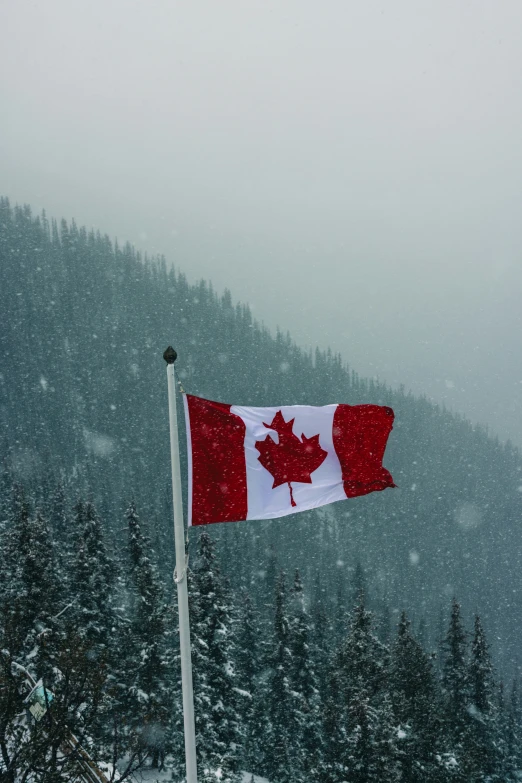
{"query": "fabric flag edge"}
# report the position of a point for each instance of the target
(189, 460)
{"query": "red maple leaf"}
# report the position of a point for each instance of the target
(291, 459)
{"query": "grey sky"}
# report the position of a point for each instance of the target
(351, 169)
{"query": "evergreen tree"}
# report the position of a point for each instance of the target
(482, 751)
(359, 586)
(321, 644)
(371, 746)
(218, 735)
(30, 581)
(248, 663)
(334, 730)
(480, 672)
(281, 703)
(6, 489)
(93, 581)
(417, 708)
(307, 740)
(59, 520)
(363, 732)
(512, 734)
(362, 659)
(342, 607)
(455, 677)
(151, 654)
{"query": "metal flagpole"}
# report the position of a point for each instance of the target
(180, 577)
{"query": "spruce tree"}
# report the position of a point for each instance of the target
(151, 655)
(362, 660)
(218, 732)
(280, 753)
(30, 583)
(371, 752)
(359, 585)
(455, 678)
(482, 748)
(334, 730)
(60, 521)
(358, 712)
(250, 690)
(417, 707)
(93, 580)
(304, 683)
(459, 709)
(512, 735)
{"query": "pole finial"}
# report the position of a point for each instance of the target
(170, 355)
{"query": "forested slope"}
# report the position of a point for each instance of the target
(83, 399)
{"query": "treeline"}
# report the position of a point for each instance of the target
(283, 690)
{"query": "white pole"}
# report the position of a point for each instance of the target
(181, 578)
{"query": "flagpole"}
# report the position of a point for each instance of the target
(170, 357)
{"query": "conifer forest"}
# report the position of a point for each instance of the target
(375, 640)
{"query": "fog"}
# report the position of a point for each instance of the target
(353, 170)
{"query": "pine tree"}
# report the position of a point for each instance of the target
(417, 708)
(513, 736)
(59, 519)
(248, 663)
(151, 654)
(455, 678)
(6, 490)
(342, 607)
(218, 736)
(281, 703)
(480, 671)
(30, 585)
(482, 758)
(304, 683)
(93, 580)
(371, 746)
(362, 659)
(334, 731)
(321, 643)
(359, 586)
(360, 735)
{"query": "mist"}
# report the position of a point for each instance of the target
(351, 170)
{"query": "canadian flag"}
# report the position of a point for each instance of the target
(261, 463)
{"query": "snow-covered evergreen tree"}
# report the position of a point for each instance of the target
(218, 723)
(30, 584)
(512, 735)
(307, 742)
(280, 764)
(334, 731)
(482, 757)
(371, 751)
(417, 708)
(363, 729)
(150, 653)
(362, 659)
(94, 578)
(251, 700)
(455, 682)
(60, 520)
